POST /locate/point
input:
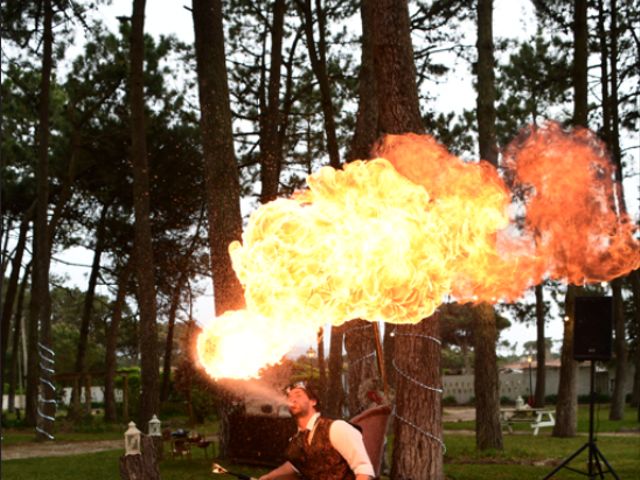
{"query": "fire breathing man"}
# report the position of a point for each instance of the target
(321, 449)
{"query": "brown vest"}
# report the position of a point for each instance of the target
(318, 461)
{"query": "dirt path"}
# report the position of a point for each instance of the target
(55, 449)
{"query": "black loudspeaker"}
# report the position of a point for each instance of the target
(592, 329)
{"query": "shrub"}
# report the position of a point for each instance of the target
(449, 400)
(598, 398)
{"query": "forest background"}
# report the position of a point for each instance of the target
(76, 93)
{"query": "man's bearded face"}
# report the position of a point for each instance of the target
(299, 402)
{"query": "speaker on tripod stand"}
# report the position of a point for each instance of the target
(591, 341)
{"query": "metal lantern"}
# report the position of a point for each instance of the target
(132, 440)
(154, 427)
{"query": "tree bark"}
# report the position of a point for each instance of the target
(144, 262)
(361, 356)
(366, 130)
(270, 146)
(397, 91)
(112, 343)
(541, 349)
(87, 309)
(580, 55)
(4, 245)
(417, 451)
(221, 171)
(12, 286)
(388, 346)
(335, 393)
(635, 278)
(635, 286)
(613, 139)
(616, 411)
(486, 384)
(566, 406)
(567, 403)
(40, 302)
(318, 60)
(486, 84)
(15, 343)
(418, 443)
(168, 349)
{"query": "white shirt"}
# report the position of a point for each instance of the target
(347, 440)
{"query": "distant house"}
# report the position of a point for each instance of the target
(519, 379)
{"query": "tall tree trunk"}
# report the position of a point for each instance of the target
(620, 345)
(40, 302)
(12, 285)
(580, 55)
(112, 343)
(366, 130)
(144, 262)
(488, 146)
(616, 411)
(335, 393)
(635, 286)
(168, 349)
(418, 447)
(361, 356)
(418, 410)
(15, 343)
(486, 385)
(566, 406)
(398, 105)
(270, 146)
(388, 344)
(87, 308)
(4, 247)
(221, 170)
(359, 335)
(541, 354)
(615, 115)
(318, 59)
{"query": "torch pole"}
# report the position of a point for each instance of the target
(380, 357)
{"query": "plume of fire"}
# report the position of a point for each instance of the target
(389, 238)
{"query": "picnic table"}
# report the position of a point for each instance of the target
(536, 417)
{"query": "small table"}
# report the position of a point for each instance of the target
(536, 417)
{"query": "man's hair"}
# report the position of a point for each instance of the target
(309, 388)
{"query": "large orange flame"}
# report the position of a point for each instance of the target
(389, 238)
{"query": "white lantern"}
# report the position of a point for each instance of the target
(154, 427)
(132, 440)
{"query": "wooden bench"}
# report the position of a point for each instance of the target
(536, 417)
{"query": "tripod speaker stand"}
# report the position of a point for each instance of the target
(592, 341)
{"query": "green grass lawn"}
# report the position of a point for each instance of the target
(67, 431)
(524, 456)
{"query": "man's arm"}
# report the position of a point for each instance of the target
(347, 440)
(283, 472)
